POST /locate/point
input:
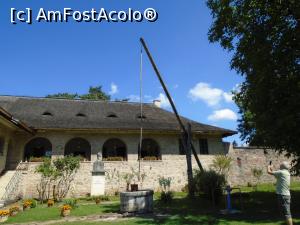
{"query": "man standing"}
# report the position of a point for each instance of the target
(283, 189)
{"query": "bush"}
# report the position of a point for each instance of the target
(166, 197)
(210, 183)
(71, 202)
(221, 164)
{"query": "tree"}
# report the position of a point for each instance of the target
(264, 37)
(95, 93)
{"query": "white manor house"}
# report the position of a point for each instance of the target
(32, 128)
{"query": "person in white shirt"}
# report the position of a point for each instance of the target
(283, 178)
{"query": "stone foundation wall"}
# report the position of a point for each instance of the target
(173, 166)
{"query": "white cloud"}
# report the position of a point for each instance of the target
(164, 102)
(211, 96)
(228, 97)
(113, 89)
(175, 86)
(134, 98)
(223, 114)
(204, 92)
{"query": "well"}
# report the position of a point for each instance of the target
(137, 201)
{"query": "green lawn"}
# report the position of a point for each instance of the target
(258, 207)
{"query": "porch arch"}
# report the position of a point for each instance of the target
(38, 147)
(150, 148)
(78, 147)
(114, 147)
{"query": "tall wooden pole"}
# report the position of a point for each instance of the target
(182, 127)
(188, 154)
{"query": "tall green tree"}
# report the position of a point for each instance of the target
(264, 37)
(95, 93)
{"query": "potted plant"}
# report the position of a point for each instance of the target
(27, 205)
(50, 203)
(4, 215)
(65, 210)
(14, 210)
(97, 200)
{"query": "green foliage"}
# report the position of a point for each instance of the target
(165, 183)
(72, 202)
(56, 177)
(264, 37)
(257, 173)
(34, 203)
(166, 197)
(210, 183)
(95, 93)
(221, 164)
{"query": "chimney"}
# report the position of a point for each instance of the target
(157, 103)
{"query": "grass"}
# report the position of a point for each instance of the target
(259, 208)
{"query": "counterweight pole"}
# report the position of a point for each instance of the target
(170, 99)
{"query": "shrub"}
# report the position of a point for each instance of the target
(34, 203)
(71, 202)
(166, 197)
(221, 164)
(210, 183)
(257, 173)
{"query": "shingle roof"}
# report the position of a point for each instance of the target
(63, 114)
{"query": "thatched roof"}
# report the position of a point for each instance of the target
(48, 113)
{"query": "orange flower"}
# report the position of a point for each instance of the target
(4, 213)
(66, 207)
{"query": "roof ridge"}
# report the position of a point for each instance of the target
(67, 99)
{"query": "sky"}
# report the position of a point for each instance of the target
(50, 57)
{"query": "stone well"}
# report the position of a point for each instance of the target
(137, 201)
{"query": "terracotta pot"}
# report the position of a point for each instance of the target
(3, 219)
(65, 213)
(134, 187)
(13, 213)
(26, 208)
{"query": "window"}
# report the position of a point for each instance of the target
(2, 142)
(181, 147)
(80, 115)
(112, 115)
(203, 146)
(47, 114)
(139, 116)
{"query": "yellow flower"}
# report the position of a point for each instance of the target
(4, 213)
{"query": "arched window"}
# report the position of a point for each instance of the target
(114, 150)
(47, 113)
(112, 115)
(80, 115)
(150, 150)
(78, 147)
(37, 148)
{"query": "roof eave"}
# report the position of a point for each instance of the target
(15, 121)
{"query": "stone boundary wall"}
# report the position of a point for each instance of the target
(173, 166)
(250, 158)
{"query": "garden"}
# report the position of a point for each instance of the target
(255, 203)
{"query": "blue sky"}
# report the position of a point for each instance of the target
(45, 58)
